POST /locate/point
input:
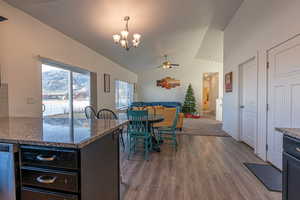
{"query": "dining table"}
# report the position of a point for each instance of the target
(152, 119)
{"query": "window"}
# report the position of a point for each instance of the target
(61, 83)
(124, 94)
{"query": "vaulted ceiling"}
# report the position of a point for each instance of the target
(183, 29)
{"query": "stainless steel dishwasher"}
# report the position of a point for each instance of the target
(7, 171)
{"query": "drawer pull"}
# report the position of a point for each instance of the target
(298, 149)
(46, 158)
(46, 179)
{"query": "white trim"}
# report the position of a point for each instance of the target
(62, 65)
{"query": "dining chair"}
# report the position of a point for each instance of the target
(151, 109)
(138, 132)
(90, 112)
(169, 133)
(110, 115)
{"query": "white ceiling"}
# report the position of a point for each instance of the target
(183, 29)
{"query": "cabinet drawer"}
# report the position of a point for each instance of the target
(37, 194)
(291, 146)
(49, 157)
(50, 179)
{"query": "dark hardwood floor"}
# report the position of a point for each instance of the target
(203, 168)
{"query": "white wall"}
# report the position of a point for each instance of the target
(256, 27)
(23, 38)
(187, 73)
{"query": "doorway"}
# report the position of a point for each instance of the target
(283, 95)
(248, 101)
(65, 92)
(210, 93)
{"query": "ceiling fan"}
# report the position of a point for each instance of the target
(2, 18)
(167, 64)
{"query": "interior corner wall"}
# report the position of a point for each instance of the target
(256, 27)
(187, 73)
(23, 38)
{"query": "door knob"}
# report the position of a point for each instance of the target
(242, 107)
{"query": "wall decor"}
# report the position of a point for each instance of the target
(107, 83)
(228, 82)
(168, 83)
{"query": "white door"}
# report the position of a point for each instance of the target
(248, 102)
(283, 95)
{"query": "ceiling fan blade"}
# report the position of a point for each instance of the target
(2, 18)
(175, 65)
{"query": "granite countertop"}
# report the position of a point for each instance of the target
(293, 132)
(56, 132)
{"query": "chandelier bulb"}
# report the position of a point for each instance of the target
(124, 34)
(116, 38)
(137, 36)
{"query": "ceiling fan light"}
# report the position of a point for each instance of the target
(116, 38)
(124, 34)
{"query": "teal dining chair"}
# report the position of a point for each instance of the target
(139, 132)
(169, 133)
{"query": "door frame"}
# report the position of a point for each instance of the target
(240, 99)
(217, 75)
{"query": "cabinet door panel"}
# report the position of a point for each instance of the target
(100, 169)
(291, 177)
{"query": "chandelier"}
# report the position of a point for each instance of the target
(123, 40)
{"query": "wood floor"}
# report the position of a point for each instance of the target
(203, 168)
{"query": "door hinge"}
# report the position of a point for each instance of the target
(268, 65)
(268, 107)
(267, 147)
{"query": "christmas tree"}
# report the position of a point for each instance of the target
(189, 106)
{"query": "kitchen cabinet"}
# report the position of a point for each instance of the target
(291, 168)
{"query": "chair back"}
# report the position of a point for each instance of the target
(90, 112)
(151, 109)
(106, 114)
(174, 125)
(138, 122)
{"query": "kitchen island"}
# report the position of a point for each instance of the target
(64, 159)
(291, 163)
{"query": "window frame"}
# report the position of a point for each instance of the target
(71, 69)
(130, 98)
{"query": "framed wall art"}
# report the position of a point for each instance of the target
(228, 82)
